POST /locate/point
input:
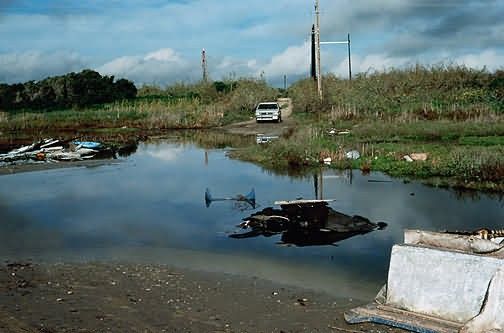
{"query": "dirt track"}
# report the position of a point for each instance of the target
(250, 127)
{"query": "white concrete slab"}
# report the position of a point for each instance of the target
(444, 284)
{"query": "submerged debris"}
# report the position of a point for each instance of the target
(305, 223)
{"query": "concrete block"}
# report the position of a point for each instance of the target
(439, 283)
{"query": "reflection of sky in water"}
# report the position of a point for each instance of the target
(154, 203)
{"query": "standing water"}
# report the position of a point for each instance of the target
(150, 208)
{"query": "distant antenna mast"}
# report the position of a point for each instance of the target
(204, 65)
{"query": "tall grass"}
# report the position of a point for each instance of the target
(415, 93)
(175, 107)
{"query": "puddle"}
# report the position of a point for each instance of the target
(151, 207)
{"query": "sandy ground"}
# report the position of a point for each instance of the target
(99, 297)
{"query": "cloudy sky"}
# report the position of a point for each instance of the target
(160, 41)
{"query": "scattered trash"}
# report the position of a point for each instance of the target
(353, 155)
(54, 150)
(407, 158)
(419, 156)
(87, 144)
(334, 131)
(415, 157)
(262, 138)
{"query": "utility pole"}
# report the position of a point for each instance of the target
(204, 66)
(313, 69)
(285, 82)
(317, 48)
(349, 60)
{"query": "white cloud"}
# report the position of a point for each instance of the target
(34, 65)
(163, 66)
(294, 60)
(488, 58)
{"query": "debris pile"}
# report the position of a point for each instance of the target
(54, 150)
(306, 223)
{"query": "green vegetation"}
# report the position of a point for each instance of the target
(455, 115)
(72, 90)
(175, 107)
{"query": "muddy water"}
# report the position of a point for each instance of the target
(150, 207)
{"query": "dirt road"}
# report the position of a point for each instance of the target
(250, 127)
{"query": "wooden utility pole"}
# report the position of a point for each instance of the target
(313, 67)
(317, 48)
(204, 66)
(349, 60)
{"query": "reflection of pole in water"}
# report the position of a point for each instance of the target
(206, 158)
(315, 185)
(321, 184)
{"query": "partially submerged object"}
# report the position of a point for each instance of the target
(305, 223)
(250, 198)
(441, 283)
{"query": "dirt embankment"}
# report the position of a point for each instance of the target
(251, 127)
(55, 298)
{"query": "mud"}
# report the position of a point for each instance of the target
(114, 297)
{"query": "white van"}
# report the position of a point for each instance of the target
(268, 111)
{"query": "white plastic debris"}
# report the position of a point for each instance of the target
(407, 158)
(353, 155)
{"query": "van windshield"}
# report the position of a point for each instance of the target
(267, 106)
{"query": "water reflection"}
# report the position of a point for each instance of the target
(306, 223)
(249, 199)
(151, 207)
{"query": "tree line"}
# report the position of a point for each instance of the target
(71, 90)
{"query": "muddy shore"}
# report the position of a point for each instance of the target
(114, 297)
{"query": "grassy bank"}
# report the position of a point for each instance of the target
(203, 105)
(453, 114)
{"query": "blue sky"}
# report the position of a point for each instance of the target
(160, 42)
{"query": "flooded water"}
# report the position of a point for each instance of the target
(150, 207)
